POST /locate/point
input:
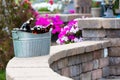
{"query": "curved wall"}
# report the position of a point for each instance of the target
(90, 64)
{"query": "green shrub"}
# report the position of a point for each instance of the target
(95, 4)
(11, 15)
(2, 75)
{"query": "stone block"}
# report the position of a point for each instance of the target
(112, 33)
(93, 23)
(96, 74)
(62, 63)
(117, 23)
(65, 72)
(59, 54)
(71, 52)
(115, 70)
(54, 66)
(105, 71)
(103, 62)
(76, 78)
(98, 54)
(115, 42)
(114, 52)
(106, 44)
(74, 60)
(74, 70)
(68, 17)
(109, 23)
(80, 50)
(94, 33)
(92, 47)
(86, 76)
(95, 64)
(114, 61)
(88, 66)
(86, 57)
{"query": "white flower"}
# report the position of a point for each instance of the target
(80, 39)
(64, 38)
(58, 41)
(76, 40)
(74, 30)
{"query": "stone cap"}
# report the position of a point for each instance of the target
(62, 51)
(37, 68)
(68, 17)
(99, 23)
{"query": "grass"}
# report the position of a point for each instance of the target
(2, 75)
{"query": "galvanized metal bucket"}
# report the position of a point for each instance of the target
(29, 44)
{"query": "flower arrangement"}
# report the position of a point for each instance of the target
(49, 6)
(46, 20)
(70, 33)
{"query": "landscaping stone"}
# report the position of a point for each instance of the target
(103, 62)
(86, 76)
(115, 70)
(96, 74)
(105, 71)
(66, 72)
(86, 57)
(74, 60)
(87, 66)
(109, 23)
(62, 63)
(114, 61)
(95, 64)
(114, 51)
(98, 54)
(90, 23)
(74, 70)
(94, 33)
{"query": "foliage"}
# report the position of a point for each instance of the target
(11, 15)
(95, 4)
(43, 9)
(2, 75)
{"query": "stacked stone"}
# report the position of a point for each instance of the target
(105, 28)
(100, 28)
(91, 65)
(114, 54)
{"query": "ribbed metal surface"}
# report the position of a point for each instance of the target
(31, 45)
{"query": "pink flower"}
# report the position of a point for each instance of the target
(51, 2)
(57, 22)
(69, 34)
(71, 11)
(42, 21)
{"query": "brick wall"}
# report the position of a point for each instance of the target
(89, 66)
(100, 28)
(93, 64)
(114, 54)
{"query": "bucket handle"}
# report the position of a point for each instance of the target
(15, 35)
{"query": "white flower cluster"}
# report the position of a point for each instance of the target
(48, 6)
